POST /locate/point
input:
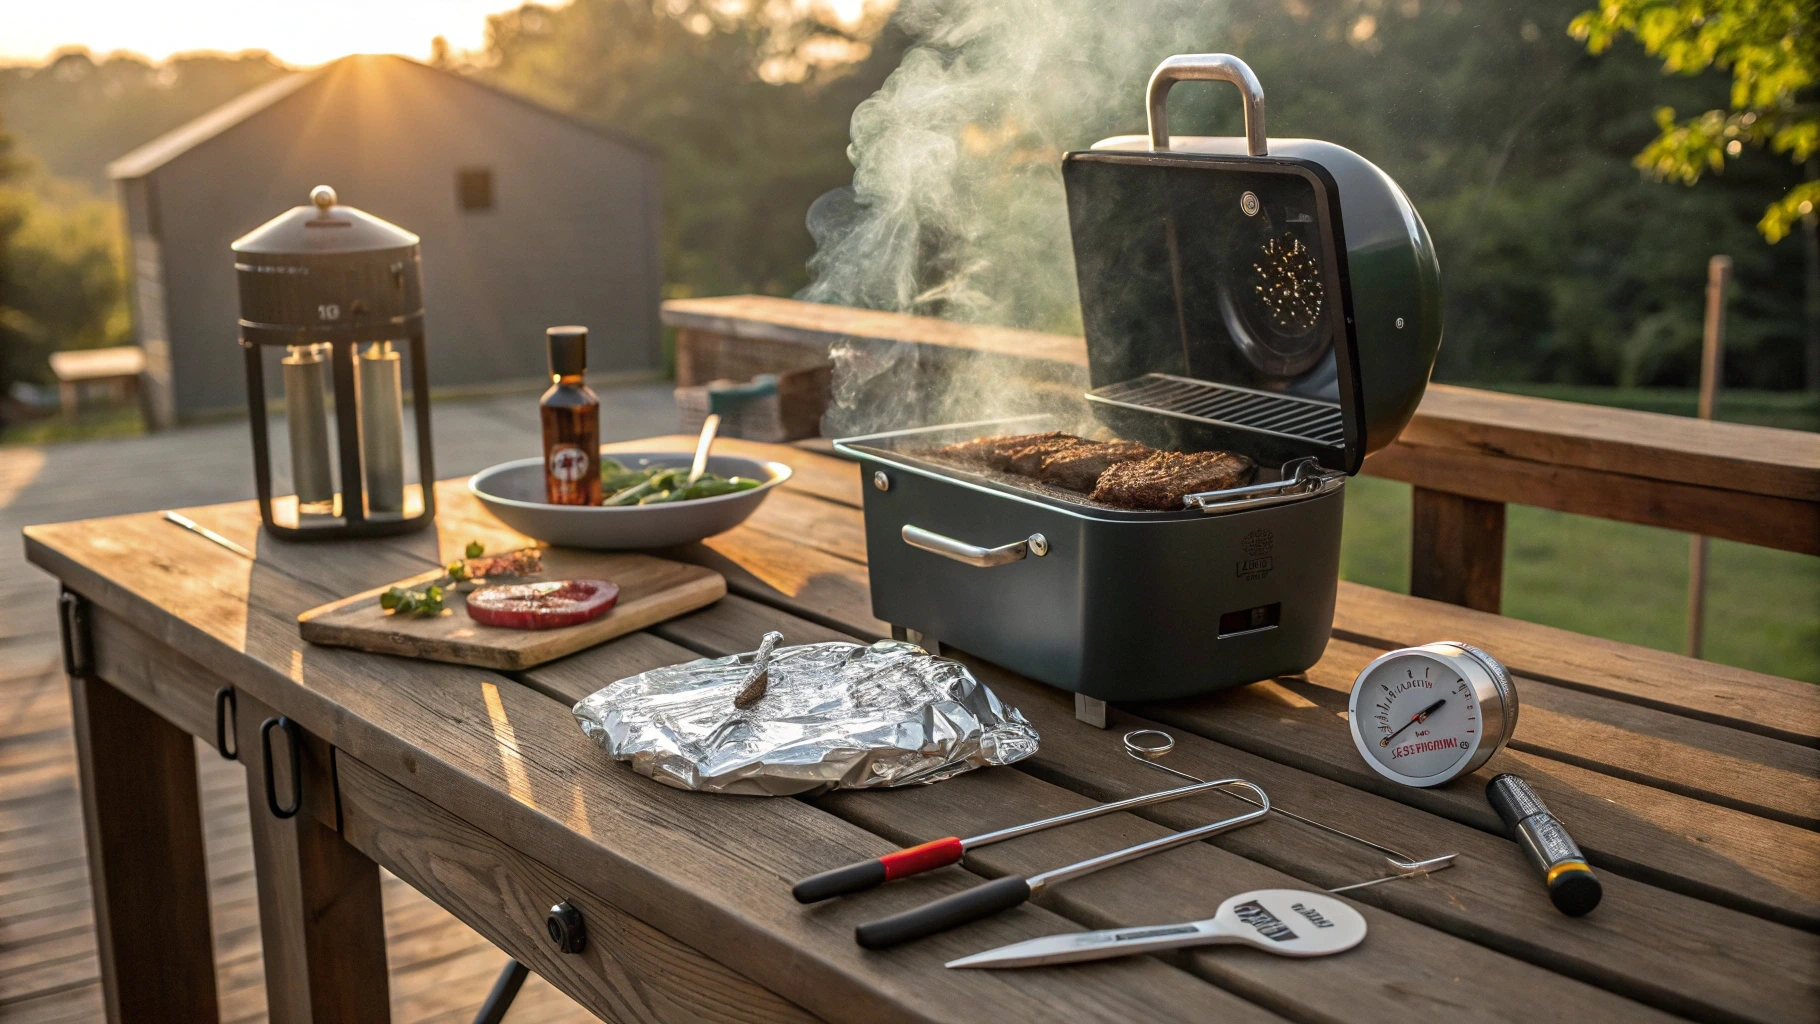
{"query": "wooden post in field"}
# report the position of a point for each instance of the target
(1712, 374)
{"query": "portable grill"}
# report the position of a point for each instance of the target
(1277, 298)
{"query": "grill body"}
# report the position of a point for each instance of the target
(1124, 605)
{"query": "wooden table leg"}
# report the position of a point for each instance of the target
(1456, 549)
(320, 913)
(146, 862)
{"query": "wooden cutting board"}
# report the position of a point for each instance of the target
(651, 590)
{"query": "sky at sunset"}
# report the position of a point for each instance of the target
(298, 33)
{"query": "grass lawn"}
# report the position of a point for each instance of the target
(1615, 580)
(113, 421)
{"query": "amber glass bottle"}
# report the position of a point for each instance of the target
(571, 423)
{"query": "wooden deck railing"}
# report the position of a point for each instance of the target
(1468, 452)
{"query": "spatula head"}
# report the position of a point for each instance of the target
(1292, 922)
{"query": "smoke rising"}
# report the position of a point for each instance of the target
(956, 207)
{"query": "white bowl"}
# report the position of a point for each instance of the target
(514, 491)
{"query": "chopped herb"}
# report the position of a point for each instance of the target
(399, 601)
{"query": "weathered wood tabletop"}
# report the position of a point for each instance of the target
(1694, 789)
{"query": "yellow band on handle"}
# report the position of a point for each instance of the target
(1566, 865)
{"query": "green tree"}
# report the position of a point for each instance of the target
(14, 356)
(1771, 48)
(62, 282)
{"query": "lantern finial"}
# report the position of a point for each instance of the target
(323, 196)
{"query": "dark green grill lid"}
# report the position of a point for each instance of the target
(1279, 297)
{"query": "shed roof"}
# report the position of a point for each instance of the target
(187, 136)
(174, 143)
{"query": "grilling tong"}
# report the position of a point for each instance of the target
(1011, 890)
(1145, 745)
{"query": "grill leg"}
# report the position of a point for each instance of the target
(504, 991)
(1089, 710)
(917, 637)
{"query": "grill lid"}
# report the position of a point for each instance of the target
(1276, 296)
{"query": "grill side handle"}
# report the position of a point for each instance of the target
(972, 554)
(1205, 67)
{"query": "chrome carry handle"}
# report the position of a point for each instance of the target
(1206, 67)
(1304, 477)
(972, 554)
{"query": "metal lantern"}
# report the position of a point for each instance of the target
(340, 292)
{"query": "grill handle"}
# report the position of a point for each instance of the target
(972, 554)
(1206, 67)
(1305, 478)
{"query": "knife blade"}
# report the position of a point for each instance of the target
(1100, 945)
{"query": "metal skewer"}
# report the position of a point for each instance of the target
(1146, 745)
(202, 531)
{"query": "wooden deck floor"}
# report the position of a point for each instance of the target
(440, 968)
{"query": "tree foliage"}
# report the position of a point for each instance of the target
(1772, 50)
(748, 105)
(1560, 262)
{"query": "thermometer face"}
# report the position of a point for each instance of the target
(1424, 715)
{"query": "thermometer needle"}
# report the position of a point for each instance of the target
(1421, 716)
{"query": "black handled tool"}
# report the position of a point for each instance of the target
(915, 860)
(1005, 893)
(1572, 886)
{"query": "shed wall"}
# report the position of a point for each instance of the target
(570, 238)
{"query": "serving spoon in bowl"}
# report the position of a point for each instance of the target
(709, 427)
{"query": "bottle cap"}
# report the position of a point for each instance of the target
(568, 350)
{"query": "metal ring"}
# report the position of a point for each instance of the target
(1149, 752)
(227, 709)
(271, 790)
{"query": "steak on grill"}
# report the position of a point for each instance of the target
(1079, 468)
(997, 451)
(1162, 480)
(1057, 458)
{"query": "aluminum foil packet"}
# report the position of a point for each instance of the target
(833, 716)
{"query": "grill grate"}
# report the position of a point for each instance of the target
(1186, 398)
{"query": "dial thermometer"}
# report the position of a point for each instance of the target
(1427, 715)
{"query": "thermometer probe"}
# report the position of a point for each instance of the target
(1572, 886)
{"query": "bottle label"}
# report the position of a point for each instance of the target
(568, 462)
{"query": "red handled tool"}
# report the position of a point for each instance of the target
(915, 860)
(1011, 890)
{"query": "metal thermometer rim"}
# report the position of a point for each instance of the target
(1492, 688)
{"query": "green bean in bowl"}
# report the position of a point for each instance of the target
(661, 484)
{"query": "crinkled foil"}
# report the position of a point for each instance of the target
(834, 716)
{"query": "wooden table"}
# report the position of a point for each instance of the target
(1692, 787)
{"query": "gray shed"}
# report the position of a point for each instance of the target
(528, 218)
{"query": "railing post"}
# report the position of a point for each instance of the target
(1456, 551)
(1712, 378)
